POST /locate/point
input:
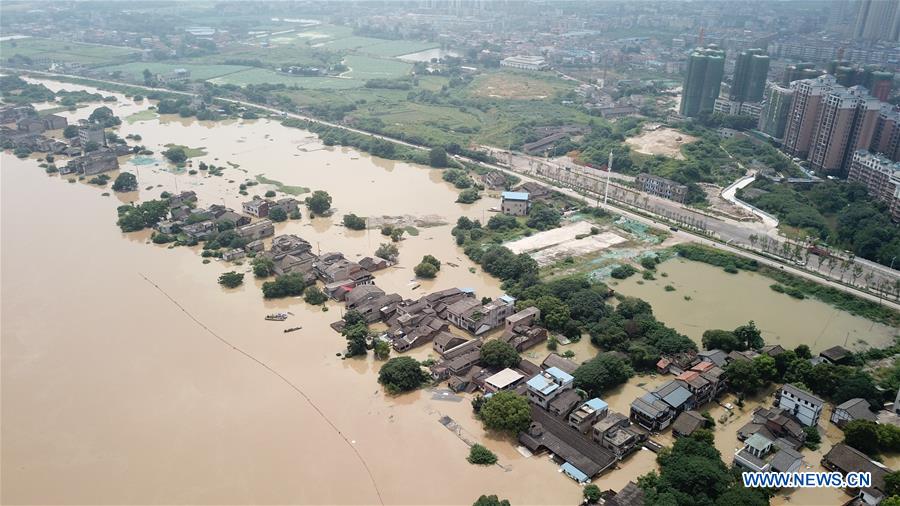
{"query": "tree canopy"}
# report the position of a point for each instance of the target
(601, 373)
(401, 374)
(125, 182)
(506, 412)
(497, 353)
(319, 202)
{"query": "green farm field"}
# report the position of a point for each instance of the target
(134, 71)
(265, 76)
(65, 51)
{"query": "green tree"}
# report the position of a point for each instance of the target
(862, 435)
(425, 270)
(543, 217)
(231, 279)
(125, 182)
(490, 500)
(601, 373)
(481, 456)
(387, 251)
(802, 351)
(91, 146)
(353, 317)
(313, 295)
(813, 438)
(354, 222)
(175, 154)
(289, 285)
(270, 193)
(892, 484)
(743, 377)
(278, 214)
(356, 332)
(497, 353)
(750, 336)
(506, 412)
(765, 366)
(397, 234)
(401, 374)
(437, 157)
(724, 340)
(263, 267)
(382, 349)
(428, 259)
(70, 132)
(554, 312)
(591, 494)
(319, 202)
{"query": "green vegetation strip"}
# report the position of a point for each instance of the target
(190, 152)
(793, 285)
(290, 190)
(144, 115)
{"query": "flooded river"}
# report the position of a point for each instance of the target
(719, 300)
(114, 394)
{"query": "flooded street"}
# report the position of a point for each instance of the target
(719, 300)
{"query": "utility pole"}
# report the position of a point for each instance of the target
(608, 170)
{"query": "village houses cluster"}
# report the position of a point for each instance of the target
(30, 135)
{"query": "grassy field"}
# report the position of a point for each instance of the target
(64, 51)
(518, 85)
(290, 190)
(260, 76)
(134, 71)
(364, 67)
(377, 47)
(325, 32)
(145, 115)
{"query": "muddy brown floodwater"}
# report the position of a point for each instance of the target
(718, 300)
(113, 395)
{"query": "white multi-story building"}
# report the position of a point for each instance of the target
(880, 176)
(525, 63)
(804, 406)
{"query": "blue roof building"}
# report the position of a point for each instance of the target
(586, 414)
(514, 195)
(546, 386)
(514, 203)
(573, 472)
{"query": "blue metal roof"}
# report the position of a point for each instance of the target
(542, 384)
(678, 397)
(515, 195)
(574, 473)
(597, 404)
(508, 299)
(560, 375)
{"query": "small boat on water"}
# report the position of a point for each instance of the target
(276, 317)
(292, 329)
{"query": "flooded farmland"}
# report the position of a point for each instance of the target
(706, 297)
(118, 388)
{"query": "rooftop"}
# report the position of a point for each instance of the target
(504, 378)
(541, 384)
(560, 375)
(514, 196)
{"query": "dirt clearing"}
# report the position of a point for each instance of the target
(661, 141)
